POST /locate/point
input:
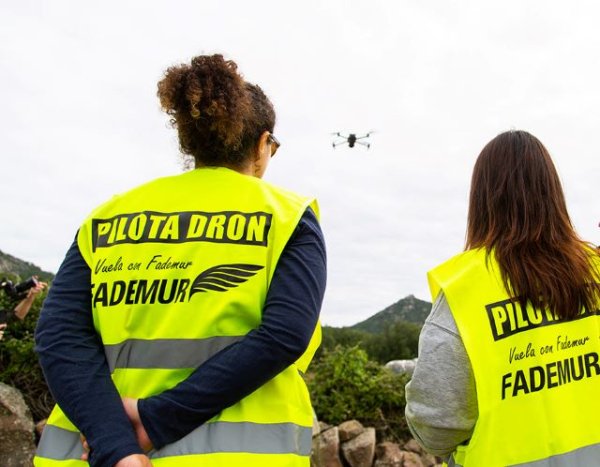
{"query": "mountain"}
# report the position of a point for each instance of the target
(409, 309)
(24, 269)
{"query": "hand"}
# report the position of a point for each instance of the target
(24, 305)
(134, 417)
(86, 448)
(2, 328)
(135, 460)
(39, 286)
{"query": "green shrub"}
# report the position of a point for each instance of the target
(344, 385)
(19, 365)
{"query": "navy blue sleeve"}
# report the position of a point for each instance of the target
(289, 319)
(72, 358)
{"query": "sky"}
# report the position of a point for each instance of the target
(436, 80)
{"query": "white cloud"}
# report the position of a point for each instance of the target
(436, 80)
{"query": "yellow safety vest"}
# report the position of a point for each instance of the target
(180, 268)
(537, 378)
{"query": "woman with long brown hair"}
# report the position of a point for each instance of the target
(509, 366)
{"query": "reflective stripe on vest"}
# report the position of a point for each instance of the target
(588, 456)
(165, 353)
(537, 377)
(255, 438)
(181, 268)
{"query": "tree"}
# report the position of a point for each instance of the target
(398, 342)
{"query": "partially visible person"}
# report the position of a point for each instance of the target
(179, 325)
(509, 370)
(17, 299)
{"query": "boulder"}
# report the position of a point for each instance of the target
(413, 446)
(412, 459)
(402, 367)
(324, 426)
(350, 429)
(16, 429)
(429, 460)
(388, 455)
(360, 450)
(326, 447)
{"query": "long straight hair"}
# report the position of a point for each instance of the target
(517, 211)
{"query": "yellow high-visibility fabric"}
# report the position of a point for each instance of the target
(529, 407)
(214, 459)
(188, 260)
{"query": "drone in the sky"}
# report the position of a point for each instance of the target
(351, 139)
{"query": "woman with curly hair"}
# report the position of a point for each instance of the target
(184, 313)
(509, 368)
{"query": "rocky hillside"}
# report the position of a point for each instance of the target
(24, 269)
(409, 309)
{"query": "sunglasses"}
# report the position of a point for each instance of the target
(274, 144)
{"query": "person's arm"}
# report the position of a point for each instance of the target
(289, 319)
(72, 358)
(24, 305)
(441, 398)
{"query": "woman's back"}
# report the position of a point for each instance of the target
(516, 318)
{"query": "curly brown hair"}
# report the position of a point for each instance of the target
(219, 116)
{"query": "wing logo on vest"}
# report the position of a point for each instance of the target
(221, 278)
